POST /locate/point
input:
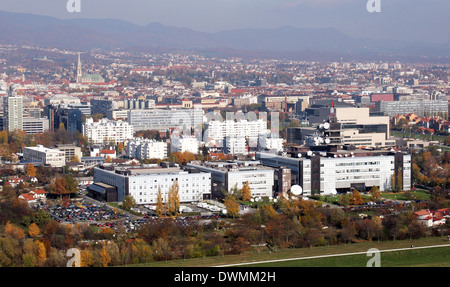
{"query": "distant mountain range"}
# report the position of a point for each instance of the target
(85, 34)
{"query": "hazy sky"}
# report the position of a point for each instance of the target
(423, 20)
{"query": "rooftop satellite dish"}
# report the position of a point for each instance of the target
(326, 126)
(296, 190)
(309, 153)
(299, 155)
(327, 140)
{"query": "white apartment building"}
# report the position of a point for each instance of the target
(270, 143)
(240, 128)
(164, 119)
(235, 145)
(47, 156)
(12, 111)
(229, 175)
(217, 131)
(146, 149)
(181, 144)
(143, 183)
(106, 131)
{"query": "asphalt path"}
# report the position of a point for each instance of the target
(331, 255)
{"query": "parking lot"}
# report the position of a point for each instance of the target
(82, 211)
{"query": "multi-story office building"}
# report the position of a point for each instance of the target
(328, 172)
(143, 184)
(102, 106)
(345, 126)
(106, 131)
(117, 114)
(70, 118)
(164, 119)
(47, 156)
(135, 104)
(146, 149)
(70, 151)
(12, 111)
(35, 125)
(229, 175)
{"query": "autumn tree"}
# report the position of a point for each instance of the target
(128, 202)
(344, 199)
(173, 204)
(33, 230)
(59, 188)
(30, 170)
(375, 194)
(14, 231)
(120, 147)
(232, 206)
(105, 257)
(159, 204)
(246, 193)
(87, 258)
(356, 197)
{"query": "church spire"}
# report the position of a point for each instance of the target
(79, 73)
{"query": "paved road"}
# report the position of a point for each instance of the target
(330, 255)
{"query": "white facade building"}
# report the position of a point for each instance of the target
(235, 145)
(146, 149)
(143, 183)
(164, 119)
(333, 172)
(106, 131)
(182, 144)
(270, 143)
(12, 111)
(229, 175)
(47, 156)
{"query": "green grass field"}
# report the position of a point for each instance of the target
(433, 257)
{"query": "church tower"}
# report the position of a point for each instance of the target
(79, 73)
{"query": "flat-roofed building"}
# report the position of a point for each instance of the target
(328, 172)
(35, 125)
(229, 175)
(47, 156)
(143, 183)
(70, 151)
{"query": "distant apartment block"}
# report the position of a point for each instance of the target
(181, 144)
(146, 149)
(421, 108)
(106, 131)
(164, 119)
(217, 131)
(12, 111)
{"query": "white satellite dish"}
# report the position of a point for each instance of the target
(299, 155)
(296, 190)
(327, 140)
(326, 126)
(309, 153)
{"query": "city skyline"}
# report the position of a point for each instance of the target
(424, 21)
